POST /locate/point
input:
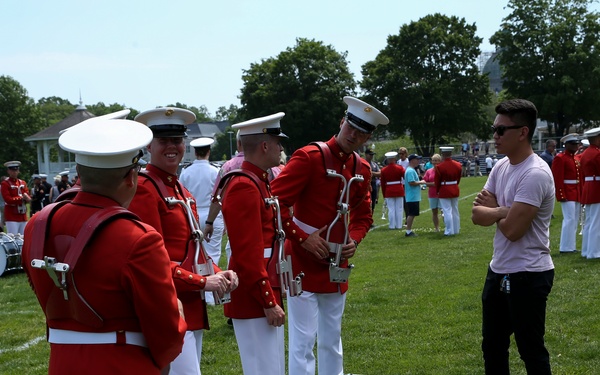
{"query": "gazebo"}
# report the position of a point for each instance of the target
(47, 140)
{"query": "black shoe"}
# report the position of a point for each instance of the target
(229, 321)
(411, 234)
(569, 252)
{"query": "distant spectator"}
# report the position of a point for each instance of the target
(489, 163)
(465, 149)
(548, 154)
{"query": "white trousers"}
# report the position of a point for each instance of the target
(213, 248)
(261, 346)
(188, 361)
(310, 316)
(570, 211)
(15, 227)
(395, 207)
(590, 242)
(451, 215)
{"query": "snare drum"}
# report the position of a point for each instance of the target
(10, 252)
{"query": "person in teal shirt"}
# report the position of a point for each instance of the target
(412, 188)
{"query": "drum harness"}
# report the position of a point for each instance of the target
(339, 274)
(291, 285)
(203, 269)
(54, 308)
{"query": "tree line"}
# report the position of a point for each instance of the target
(426, 80)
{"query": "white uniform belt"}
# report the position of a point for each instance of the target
(393, 183)
(571, 182)
(449, 182)
(62, 336)
(592, 178)
(267, 252)
(305, 227)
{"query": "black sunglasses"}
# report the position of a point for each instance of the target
(502, 128)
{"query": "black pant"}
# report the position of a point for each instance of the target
(522, 312)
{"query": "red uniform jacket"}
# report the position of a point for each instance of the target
(305, 185)
(251, 227)
(565, 170)
(10, 192)
(173, 225)
(590, 167)
(447, 178)
(392, 184)
(124, 275)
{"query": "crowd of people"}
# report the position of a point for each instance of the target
(292, 226)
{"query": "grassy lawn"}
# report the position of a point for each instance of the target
(413, 307)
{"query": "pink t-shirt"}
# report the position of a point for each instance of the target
(430, 177)
(528, 182)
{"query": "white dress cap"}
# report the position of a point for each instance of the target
(364, 116)
(446, 149)
(391, 155)
(592, 132)
(570, 138)
(167, 122)
(262, 125)
(106, 144)
(35, 176)
(43, 175)
(585, 143)
(12, 163)
(63, 173)
(202, 142)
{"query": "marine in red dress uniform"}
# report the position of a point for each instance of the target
(565, 170)
(392, 187)
(133, 324)
(305, 186)
(256, 307)
(590, 172)
(15, 194)
(171, 221)
(447, 178)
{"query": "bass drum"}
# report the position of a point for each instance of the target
(10, 252)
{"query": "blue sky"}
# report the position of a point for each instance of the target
(148, 53)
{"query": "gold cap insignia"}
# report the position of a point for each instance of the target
(368, 109)
(169, 112)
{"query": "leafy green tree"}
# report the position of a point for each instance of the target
(427, 82)
(228, 114)
(307, 82)
(550, 54)
(225, 144)
(19, 118)
(54, 109)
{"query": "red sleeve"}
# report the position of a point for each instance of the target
(558, 171)
(288, 186)
(361, 216)
(147, 281)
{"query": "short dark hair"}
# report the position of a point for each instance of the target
(521, 112)
(201, 151)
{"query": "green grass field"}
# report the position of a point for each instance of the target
(413, 307)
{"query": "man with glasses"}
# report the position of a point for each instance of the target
(519, 198)
(312, 183)
(158, 186)
(567, 188)
(117, 312)
(16, 195)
